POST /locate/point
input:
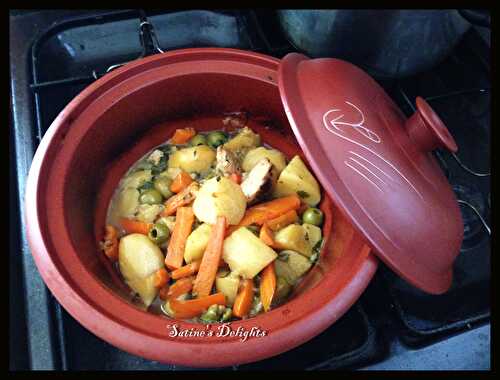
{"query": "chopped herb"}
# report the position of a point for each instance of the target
(317, 246)
(165, 149)
(314, 257)
(283, 256)
(161, 166)
(145, 186)
(145, 165)
(302, 194)
(223, 273)
(316, 251)
(254, 228)
(256, 307)
(194, 153)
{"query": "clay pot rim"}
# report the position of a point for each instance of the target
(94, 315)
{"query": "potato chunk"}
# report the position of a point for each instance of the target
(313, 233)
(219, 196)
(293, 267)
(139, 258)
(297, 179)
(294, 237)
(148, 213)
(196, 243)
(193, 159)
(125, 204)
(246, 254)
(228, 285)
(245, 139)
(136, 179)
(255, 155)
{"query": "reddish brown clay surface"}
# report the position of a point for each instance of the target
(377, 167)
(90, 145)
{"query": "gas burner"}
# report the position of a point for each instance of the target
(470, 198)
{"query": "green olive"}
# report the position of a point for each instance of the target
(226, 316)
(159, 233)
(151, 197)
(162, 184)
(198, 140)
(313, 216)
(215, 139)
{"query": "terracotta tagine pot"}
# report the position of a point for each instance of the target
(384, 194)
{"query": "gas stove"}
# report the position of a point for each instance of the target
(55, 54)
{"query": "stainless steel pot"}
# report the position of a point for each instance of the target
(387, 43)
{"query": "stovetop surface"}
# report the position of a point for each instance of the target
(393, 325)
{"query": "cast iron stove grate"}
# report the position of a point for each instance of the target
(72, 54)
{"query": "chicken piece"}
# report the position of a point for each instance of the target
(226, 162)
(259, 180)
(156, 156)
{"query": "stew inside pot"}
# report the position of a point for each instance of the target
(214, 226)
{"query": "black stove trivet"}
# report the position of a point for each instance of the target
(69, 55)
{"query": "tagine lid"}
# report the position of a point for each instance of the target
(377, 165)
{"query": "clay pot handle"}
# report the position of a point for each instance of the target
(427, 130)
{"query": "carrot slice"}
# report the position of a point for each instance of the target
(190, 269)
(283, 220)
(266, 235)
(211, 259)
(236, 178)
(135, 226)
(182, 136)
(180, 182)
(180, 287)
(182, 228)
(243, 300)
(263, 212)
(163, 293)
(280, 205)
(110, 244)
(267, 286)
(183, 198)
(193, 308)
(161, 278)
(186, 270)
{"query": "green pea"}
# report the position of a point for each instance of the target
(313, 216)
(226, 316)
(198, 140)
(221, 309)
(214, 308)
(215, 139)
(162, 184)
(159, 233)
(151, 197)
(209, 316)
